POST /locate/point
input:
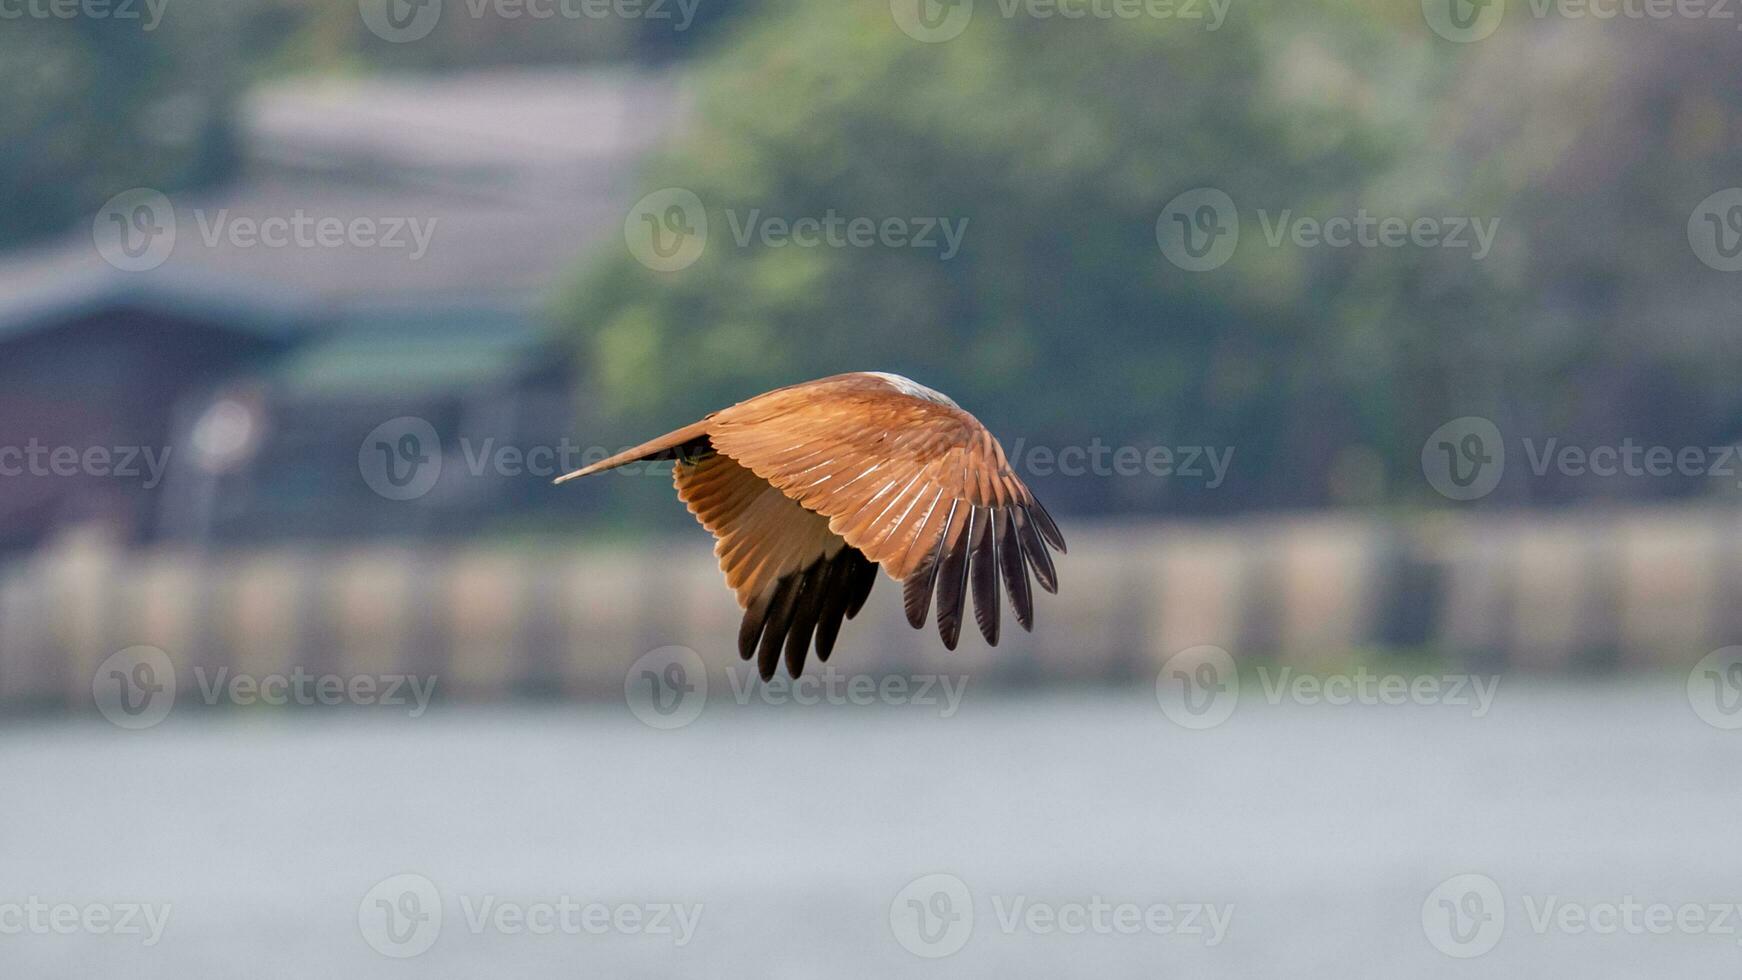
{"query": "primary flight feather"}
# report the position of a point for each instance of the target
(811, 487)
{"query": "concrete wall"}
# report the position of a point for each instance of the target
(1628, 590)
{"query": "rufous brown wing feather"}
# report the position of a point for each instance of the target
(810, 489)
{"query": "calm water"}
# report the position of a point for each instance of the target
(1317, 831)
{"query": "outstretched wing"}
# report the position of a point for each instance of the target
(793, 576)
(912, 481)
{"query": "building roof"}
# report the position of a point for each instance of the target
(511, 176)
(400, 351)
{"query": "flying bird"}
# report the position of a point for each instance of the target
(808, 489)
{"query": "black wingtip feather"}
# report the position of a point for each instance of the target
(917, 588)
(835, 597)
(916, 592)
(779, 621)
(750, 630)
(953, 581)
(864, 576)
(1048, 529)
(1015, 574)
(984, 573)
(1035, 551)
(806, 610)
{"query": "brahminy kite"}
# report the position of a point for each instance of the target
(809, 488)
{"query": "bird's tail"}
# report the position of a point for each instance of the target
(686, 441)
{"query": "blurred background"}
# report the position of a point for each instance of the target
(1378, 359)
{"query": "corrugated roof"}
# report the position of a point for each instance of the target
(511, 176)
(407, 350)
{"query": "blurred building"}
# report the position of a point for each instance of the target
(243, 373)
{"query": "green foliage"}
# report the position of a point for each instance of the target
(1059, 143)
(98, 106)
